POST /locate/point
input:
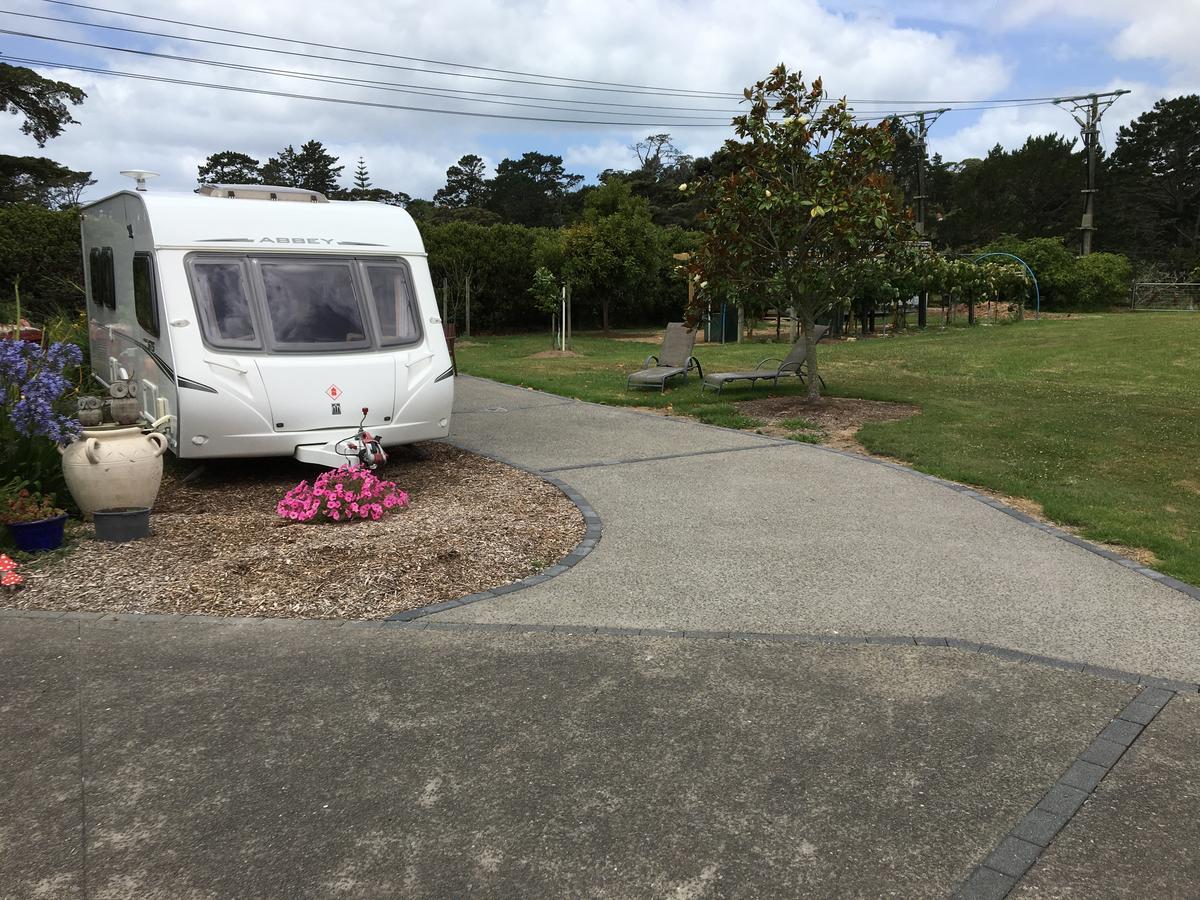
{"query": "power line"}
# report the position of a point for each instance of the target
(491, 97)
(609, 85)
(432, 62)
(419, 90)
(372, 104)
(695, 95)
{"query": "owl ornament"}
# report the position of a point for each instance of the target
(123, 403)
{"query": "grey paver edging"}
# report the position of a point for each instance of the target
(1024, 844)
(1183, 587)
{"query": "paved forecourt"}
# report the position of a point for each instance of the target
(721, 530)
(162, 759)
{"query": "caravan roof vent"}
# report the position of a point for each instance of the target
(261, 192)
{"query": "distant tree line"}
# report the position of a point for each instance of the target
(488, 231)
(1148, 205)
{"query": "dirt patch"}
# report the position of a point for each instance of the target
(553, 354)
(1189, 484)
(652, 337)
(218, 547)
(834, 421)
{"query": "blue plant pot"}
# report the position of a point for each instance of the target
(34, 537)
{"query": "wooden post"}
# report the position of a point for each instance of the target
(569, 316)
(562, 338)
(467, 329)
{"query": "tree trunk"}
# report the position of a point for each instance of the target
(604, 315)
(810, 356)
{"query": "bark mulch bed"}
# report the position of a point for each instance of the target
(218, 548)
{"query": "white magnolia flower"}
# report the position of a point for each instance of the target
(683, 187)
(704, 284)
(768, 193)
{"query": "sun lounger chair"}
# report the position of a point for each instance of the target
(674, 358)
(793, 364)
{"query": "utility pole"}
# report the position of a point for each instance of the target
(1086, 109)
(920, 122)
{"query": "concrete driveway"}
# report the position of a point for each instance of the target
(707, 528)
(781, 672)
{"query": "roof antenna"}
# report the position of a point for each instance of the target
(140, 176)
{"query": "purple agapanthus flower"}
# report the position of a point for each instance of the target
(33, 382)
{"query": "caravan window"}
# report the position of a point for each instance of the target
(313, 305)
(393, 300)
(102, 276)
(224, 303)
(145, 303)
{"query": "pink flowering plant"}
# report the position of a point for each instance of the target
(345, 494)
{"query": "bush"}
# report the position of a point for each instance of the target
(1102, 280)
(1067, 282)
(41, 248)
(500, 261)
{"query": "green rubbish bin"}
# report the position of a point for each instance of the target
(722, 325)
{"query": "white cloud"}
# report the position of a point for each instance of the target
(703, 45)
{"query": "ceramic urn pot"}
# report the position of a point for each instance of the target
(110, 468)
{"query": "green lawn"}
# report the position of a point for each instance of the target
(1097, 419)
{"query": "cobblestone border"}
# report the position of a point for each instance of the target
(591, 537)
(1183, 587)
(1021, 848)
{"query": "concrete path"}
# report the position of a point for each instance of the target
(274, 760)
(736, 531)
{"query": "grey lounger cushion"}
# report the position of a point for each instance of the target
(790, 365)
(674, 358)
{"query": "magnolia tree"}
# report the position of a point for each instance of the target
(803, 203)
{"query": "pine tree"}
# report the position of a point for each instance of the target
(362, 180)
(311, 167)
(229, 167)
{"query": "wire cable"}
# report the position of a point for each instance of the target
(696, 95)
(381, 53)
(371, 104)
(432, 62)
(422, 90)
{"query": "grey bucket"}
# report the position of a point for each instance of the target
(125, 523)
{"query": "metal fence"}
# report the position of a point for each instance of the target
(1174, 296)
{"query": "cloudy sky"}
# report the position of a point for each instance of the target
(902, 54)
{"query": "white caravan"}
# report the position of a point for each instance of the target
(261, 321)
